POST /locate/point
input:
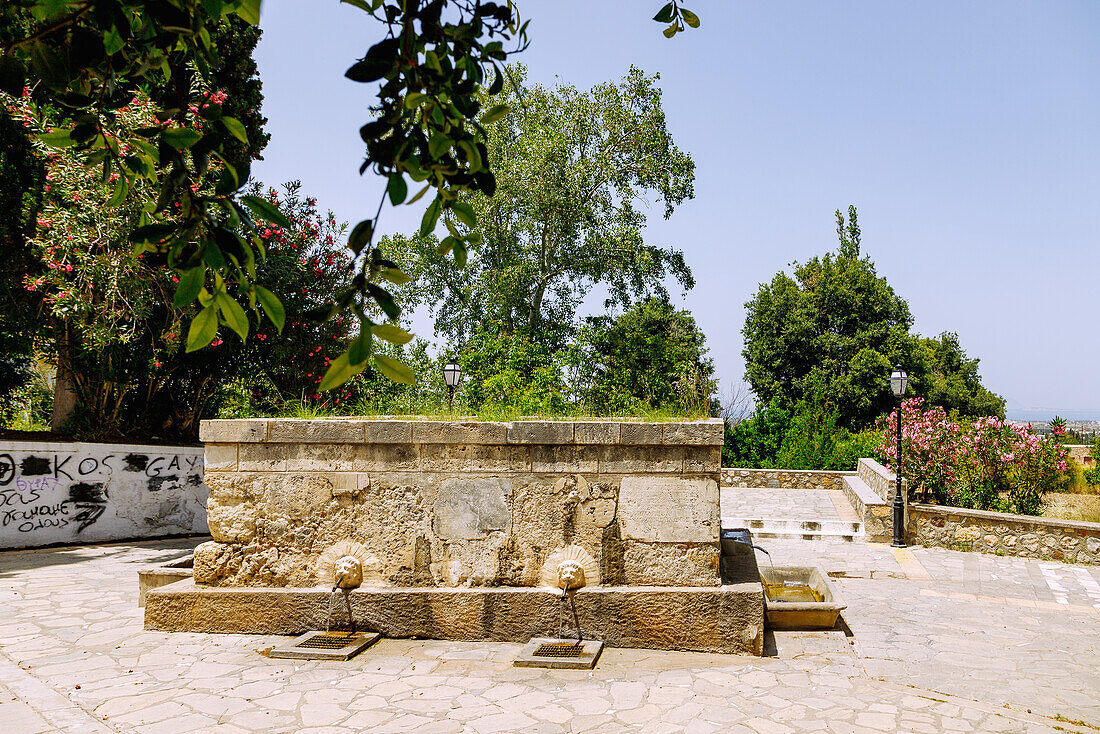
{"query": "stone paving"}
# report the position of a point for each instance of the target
(937, 641)
(807, 504)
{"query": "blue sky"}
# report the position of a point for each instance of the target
(965, 133)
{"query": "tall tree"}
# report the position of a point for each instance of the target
(572, 168)
(945, 376)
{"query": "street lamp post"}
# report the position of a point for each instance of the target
(899, 382)
(452, 374)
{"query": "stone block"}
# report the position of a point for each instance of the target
(541, 432)
(448, 458)
(596, 432)
(387, 431)
(565, 459)
(697, 433)
(267, 457)
(296, 496)
(220, 457)
(641, 459)
(658, 509)
(233, 431)
(230, 522)
(473, 432)
(385, 457)
(468, 508)
(702, 459)
(319, 431)
(640, 434)
(320, 457)
(670, 564)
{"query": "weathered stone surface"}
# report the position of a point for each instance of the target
(669, 509)
(596, 432)
(445, 458)
(726, 619)
(461, 433)
(640, 434)
(565, 459)
(469, 508)
(540, 432)
(702, 459)
(385, 457)
(387, 431)
(641, 459)
(671, 564)
(220, 457)
(699, 433)
(233, 431)
(316, 431)
(266, 457)
(320, 457)
(210, 562)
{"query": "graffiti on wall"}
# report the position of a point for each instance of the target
(44, 490)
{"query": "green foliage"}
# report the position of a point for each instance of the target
(833, 332)
(755, 443)
(652, 356)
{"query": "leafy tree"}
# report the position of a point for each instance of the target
(427, 125)
(652, 354)
(945, 376)
(833, 332)
(570, 167)
(754, 443)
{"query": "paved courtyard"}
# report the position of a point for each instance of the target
(937, 641)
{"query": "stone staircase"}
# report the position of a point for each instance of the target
(830, 531)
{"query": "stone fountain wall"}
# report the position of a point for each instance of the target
(461, 503)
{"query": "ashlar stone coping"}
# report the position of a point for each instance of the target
(395, 431)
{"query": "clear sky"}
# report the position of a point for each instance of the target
(967, 135)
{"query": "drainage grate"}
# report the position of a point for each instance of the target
(327, 641)
(559, 650)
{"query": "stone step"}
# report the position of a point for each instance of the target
(828, 531)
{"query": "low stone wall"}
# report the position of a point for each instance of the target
(880, 479)
(1081, 453)
(1004, 534)
(461, 503)
(83, 492)
(783, 478)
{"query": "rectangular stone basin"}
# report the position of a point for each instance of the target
(799, 598)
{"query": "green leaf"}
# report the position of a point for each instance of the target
(495, 114)
(264, 209)
(112, 41)
(190, 284)
(391, 333)
(235, 317)
(460, 253)
(384, 300)
(418, 195)
(465, 213)
(397, 188)
(249, 11)
(394, 370)
(361, 4)
(359, 349)
(377, 63)
(664, 15)
(671, 31)
(339, 371)
(273, 307)
(439, 144)
(119, 194)
(446, 245)
(396, 276)
(180, 138)
(204, 327)
(59, 138)
(361, 235)
(690, 18)
(431, 216)
(235, 128)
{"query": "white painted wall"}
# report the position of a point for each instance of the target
(82, 492)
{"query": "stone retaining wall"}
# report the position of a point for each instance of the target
(880, 479)
(1004, 534)
(53, 492)
(461, 503)
(783, 478)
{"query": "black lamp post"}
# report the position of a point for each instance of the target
(452, 374)
(899, 382)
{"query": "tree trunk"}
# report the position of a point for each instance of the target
(64, 396)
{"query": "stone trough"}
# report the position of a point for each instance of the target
(455, 524)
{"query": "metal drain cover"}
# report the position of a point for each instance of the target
(551, 652)
(319, 645)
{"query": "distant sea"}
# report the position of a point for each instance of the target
(1045, 414)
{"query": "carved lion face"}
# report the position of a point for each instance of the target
(570, 575)
(348, 572)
